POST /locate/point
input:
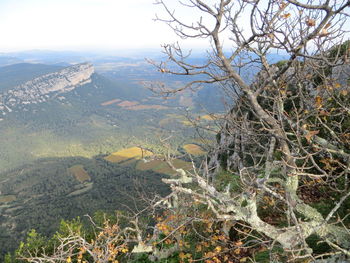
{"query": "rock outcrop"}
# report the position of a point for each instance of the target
(45, 87)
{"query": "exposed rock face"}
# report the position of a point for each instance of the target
(45, 87)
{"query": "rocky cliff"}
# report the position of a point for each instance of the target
(45, 87)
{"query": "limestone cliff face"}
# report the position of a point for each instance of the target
(45, 87)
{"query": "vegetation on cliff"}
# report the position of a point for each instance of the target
(275, 187)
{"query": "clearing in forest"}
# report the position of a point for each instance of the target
(79, 173)
(7, 198)
(162, 167)
(127, 103)
(208, 117)
(147, 107)
(193, 149)
(110, 102)
(129, 153)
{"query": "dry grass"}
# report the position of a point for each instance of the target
(193, 149)
(126, 154)
(162, 167)
(110, 102)
(150, 165)
(208, 117)
(127, 103)
(7, 198)
(165, 121)
(188, 123)
(79, 173)
(147, 107)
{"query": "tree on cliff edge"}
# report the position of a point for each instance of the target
(287, 137)
(279, 173)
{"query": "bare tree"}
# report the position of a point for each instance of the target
(285, 143)
(288, 134)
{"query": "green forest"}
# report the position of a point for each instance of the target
(239, 154)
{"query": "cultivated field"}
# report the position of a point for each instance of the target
(110, 102)
(79, 173)
(193, 149)
(7, 198)
(129, 153)
(163, 167)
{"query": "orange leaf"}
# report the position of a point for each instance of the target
(286, 15)
(310, 22)
(344, 92)
(324, 32)
(319, 101)
(182, 256)
(324, 113)
(239, 243)
(310, 134)
(283, 5)
(218, 249)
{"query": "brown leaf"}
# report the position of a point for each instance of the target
(237, 251)
(310, 134)
(324, 113)
(310, 22)
(324, 32)
(344, 92)
(286, 15)
(319, 101)
(283, 5)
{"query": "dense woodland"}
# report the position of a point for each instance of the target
(41, 142)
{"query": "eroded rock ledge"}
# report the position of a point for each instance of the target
(45, 87)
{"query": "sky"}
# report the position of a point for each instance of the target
(82, 25)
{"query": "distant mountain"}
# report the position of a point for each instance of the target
(16, 74)
(8, 60)
(49, 57)
(46, 86)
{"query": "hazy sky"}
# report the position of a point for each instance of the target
(80, 25)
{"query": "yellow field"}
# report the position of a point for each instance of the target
(162, 167)
(126, 154)
(79, 173)
(208, 117)
(187, 123)
(193, 149)
(7, 198)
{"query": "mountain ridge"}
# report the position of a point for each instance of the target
(42, 88)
